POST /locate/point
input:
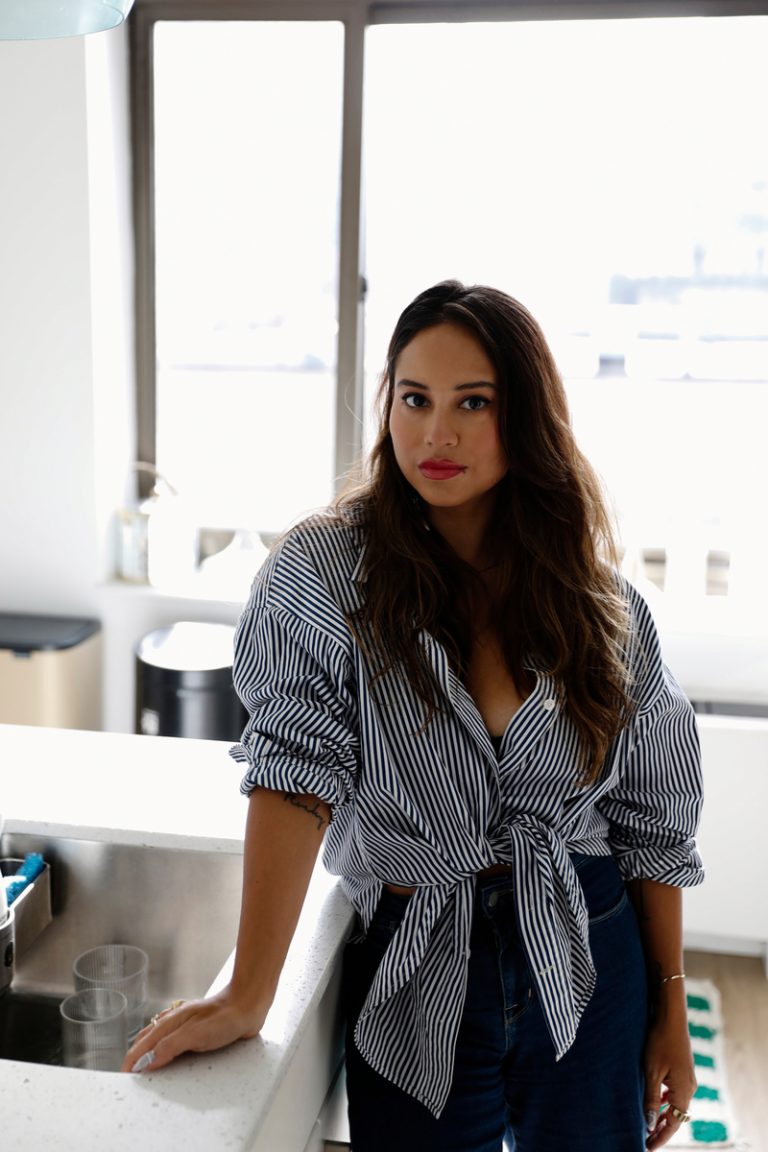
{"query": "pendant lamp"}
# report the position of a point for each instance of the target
(47, 19)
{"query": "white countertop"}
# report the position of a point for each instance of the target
(169, 793)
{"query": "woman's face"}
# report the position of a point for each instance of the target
(444, 419)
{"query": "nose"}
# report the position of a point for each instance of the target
(440, 430)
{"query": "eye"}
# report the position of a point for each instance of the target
(475, 403)
(414, 400)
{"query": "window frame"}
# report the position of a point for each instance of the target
(355, 16)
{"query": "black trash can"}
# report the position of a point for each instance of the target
(184, 683)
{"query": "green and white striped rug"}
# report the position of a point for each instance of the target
(711, 1124)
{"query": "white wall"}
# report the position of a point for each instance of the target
(67, 425)
(112, 286)
(64, 270)
(729, 911)
(66, 331)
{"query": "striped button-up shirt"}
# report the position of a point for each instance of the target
(432, 805)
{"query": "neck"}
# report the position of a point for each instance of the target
(464, 529)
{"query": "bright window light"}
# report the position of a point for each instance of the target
(247, 169)
(613, 175)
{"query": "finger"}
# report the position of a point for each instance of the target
(676, 1113)
(671, 1119)
(659, 1136)
(652, 1102)
(140, 1046)
(186, 1032)
(163, 1052)
(145, 1055)
(143, 1051)
(651, 1118)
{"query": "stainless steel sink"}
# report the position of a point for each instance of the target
(30, 1028)
(180, 905)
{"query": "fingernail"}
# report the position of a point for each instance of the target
(144, 1061)
(651, 1117)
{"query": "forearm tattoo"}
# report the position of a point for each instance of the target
(303, 802)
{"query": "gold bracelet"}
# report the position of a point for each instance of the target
(677, 976)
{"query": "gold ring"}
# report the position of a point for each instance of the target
(683, 1117)
(156, 1018)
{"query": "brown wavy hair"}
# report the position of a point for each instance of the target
(555, 599)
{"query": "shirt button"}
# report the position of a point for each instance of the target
(549, 704)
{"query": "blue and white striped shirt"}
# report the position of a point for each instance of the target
(431, 806)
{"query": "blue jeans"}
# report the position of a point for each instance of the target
(507, 1085)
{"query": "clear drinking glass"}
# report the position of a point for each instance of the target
(94, 1029)
(121, 967)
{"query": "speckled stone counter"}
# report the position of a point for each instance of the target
(260, 1095)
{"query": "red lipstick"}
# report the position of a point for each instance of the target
(440, 469)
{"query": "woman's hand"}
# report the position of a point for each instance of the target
(283, 834)
(669, 1074)
(193, 1026)
(669, 1077)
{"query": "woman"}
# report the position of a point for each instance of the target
(447, 677)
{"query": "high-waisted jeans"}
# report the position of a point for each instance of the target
(508, 1090)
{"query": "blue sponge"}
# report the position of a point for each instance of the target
(31, 868)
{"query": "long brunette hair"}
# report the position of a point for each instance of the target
(555, 601)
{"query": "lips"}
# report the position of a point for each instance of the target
(440, 469)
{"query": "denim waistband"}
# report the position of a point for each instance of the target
(503, 882)
(597, 874)
(505, 879)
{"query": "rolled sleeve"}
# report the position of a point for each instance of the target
(653, 809)
(294, 679)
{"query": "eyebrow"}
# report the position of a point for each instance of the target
(459, 387)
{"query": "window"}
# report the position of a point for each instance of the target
(611, 173)
(247, 131)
